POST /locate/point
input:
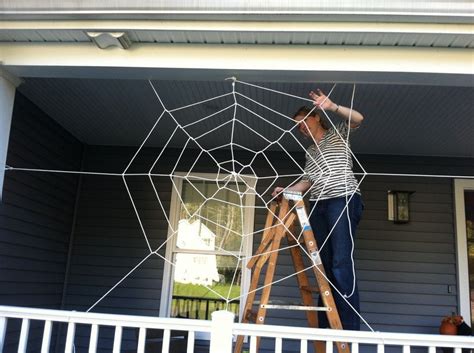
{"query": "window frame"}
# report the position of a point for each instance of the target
(175, 204)
(461, 185)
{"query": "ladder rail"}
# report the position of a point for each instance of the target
(267, 254)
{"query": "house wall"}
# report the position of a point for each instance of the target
(406, 272)
(36, 212)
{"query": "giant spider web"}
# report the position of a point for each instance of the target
(246, 165)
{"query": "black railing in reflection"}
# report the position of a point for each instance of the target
(201, 308)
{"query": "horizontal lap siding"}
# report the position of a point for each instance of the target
(404, 270)
(36, 214)
(109, 243)
(407, 272)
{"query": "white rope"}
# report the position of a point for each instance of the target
(136, 213)
(354, 279)
(231, 180)
(61, 171)
(274, 91)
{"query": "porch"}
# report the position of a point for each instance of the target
(222, 330)
(76, 236)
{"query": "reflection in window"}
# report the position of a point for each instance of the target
(208, 243)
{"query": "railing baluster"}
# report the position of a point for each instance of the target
(278, 345)
(117, 339)
(355, 347)
(406, 349)
(190, 346)
(71, 331)
(329, 347)
(207, 309)
(141, 340)
(432, 349)
(457, 350)
(380, 348)
(25, 328)
(93, 338)
(166, 341)
(46, 336)
(304, 346)
(253, 344)
(3, 331)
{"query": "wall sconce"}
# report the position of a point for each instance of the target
(399, 206)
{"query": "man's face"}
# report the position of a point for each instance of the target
(305, 124)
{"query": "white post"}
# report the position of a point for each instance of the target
(221, 332)
(46, 336)
(8, 86)
(141, 340)
(71, 331)
(93, 338)
(117, 339)
(25, 330)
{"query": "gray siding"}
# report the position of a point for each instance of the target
(36, 212)
(404, 270)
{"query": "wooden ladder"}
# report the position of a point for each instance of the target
(276, 228)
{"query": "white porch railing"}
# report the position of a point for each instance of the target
(222, 329)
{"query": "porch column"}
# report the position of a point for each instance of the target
(8, 84)
(221, 332)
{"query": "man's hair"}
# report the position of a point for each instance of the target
(307, 111)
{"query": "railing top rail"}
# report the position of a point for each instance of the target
(104, 319)
(387, 338)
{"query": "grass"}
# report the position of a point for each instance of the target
(195, 290)
(202, 309)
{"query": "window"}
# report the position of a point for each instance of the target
(464, 198)
(208, 219)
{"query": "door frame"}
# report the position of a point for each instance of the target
(460, 185)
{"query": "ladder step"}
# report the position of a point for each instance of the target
(294, 307)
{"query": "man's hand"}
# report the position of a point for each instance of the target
(277, 193)
(322, 101)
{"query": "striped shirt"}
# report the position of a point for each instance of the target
(329, 166)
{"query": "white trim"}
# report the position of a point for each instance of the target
(460, 185)
(166, 292)
(7, 99)
(411, 65)
(241, 26)
(168, 270)
(249, 214)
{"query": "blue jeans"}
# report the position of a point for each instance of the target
(336, 253)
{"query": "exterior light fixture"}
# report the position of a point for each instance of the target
(399, 206)
(110, 39)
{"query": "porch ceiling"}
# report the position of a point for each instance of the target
(400, 119)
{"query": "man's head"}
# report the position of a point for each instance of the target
(309, 120)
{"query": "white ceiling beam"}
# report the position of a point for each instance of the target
(302, 63)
